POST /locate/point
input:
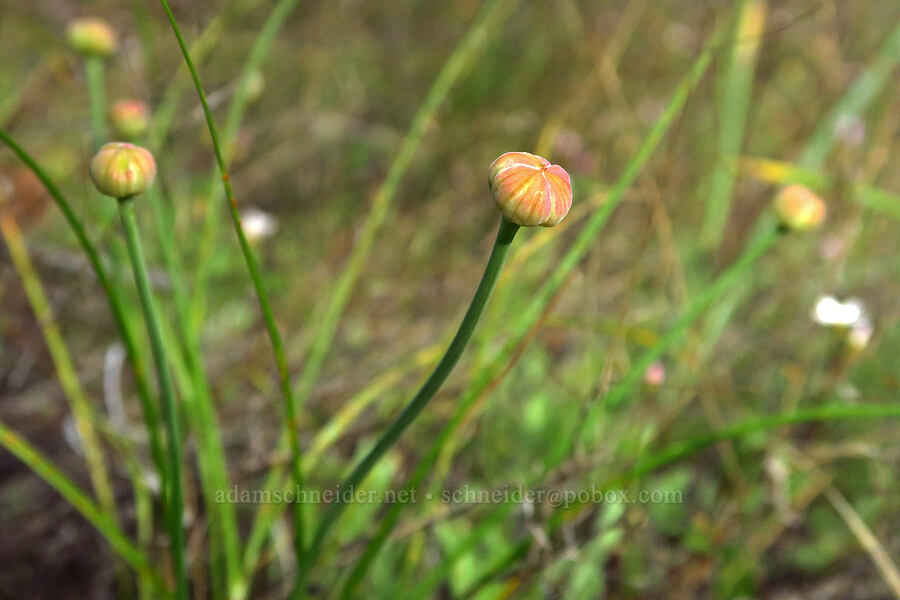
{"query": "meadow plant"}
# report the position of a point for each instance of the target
(95, 40)
(122, 170)
(528, 190)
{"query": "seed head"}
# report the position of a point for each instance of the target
(799, 208)
(121, 170)
(529, 190)
(130, 118)
(92, 36)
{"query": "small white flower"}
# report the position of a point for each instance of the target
(258, 224)
(831, 312)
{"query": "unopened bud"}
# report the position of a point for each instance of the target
(92, 36)
(130, 118)
(799, 208)
(121, 170)
(529, 190)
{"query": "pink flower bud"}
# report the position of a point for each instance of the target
(130, 118)
(529, 190)
(91, 36)
(799, 208)
(121, 170)
(655, 375)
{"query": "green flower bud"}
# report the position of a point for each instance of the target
(91, 36)
(799, 208)
(122, 170)
(529, 190)
(130, 118)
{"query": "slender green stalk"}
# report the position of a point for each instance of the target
(202, 46)
(113, 295)
(124, 449)
(505, 236)
(175, 500)
(484, 376)
(828, 412)
(733, 104)
(82, 411)
(197, 399)
(224, 535)
(94, 68)
(236, 110)
(291, 423)
(854, 101)
(474, 42)
(80, 501)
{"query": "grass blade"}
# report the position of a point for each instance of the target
(82, 411)
(733, 105)
(291, 424)
(119, 542)
(854, 101)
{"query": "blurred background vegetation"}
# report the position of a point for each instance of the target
(795, 511)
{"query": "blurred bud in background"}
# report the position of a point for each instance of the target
(130, 118)
(655, 375)
(799, 208)
(91, 36)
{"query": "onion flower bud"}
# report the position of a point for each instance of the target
(799, 208)
(122, 170)
(529, 190)
(130, 118)
(91, 36)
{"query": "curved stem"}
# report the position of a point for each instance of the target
(175, 501)
(505, 236)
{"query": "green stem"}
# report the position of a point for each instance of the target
(96, 84)
(505, 236)
(116, 302)
(291, 424)
(175, 501)
(201, 415)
